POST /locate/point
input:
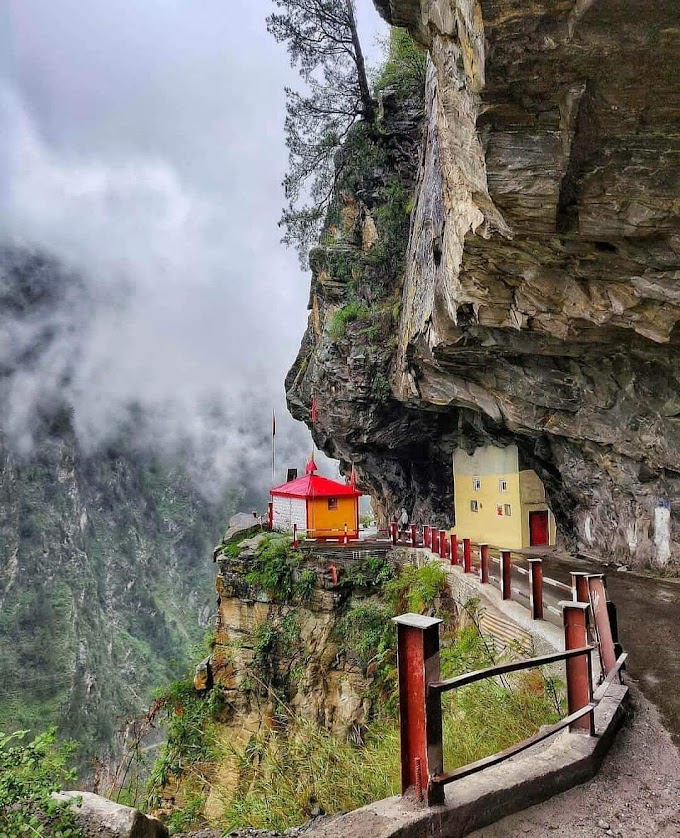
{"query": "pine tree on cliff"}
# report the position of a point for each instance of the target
(323, 43)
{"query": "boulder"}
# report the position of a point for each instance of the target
(242, 525)
(203, 679)
(99, 817)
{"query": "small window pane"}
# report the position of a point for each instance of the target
(332, 503)
(508, 509)
(503, 485)
(474, 506)
(476, 484)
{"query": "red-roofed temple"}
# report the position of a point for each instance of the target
(320, 507)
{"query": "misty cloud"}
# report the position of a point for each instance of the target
(142, 151)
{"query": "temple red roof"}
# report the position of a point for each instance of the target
(315, 486)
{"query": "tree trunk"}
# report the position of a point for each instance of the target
(366, 98)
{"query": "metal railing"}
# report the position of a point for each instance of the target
(420, 691)
(447, 545)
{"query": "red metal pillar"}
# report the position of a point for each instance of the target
(434, 546)
(426, 536)
(443, 544)
(506, 575)
(597, 597)
(393, 532)
(484, 563)
(579, 586)
(454, 548)
(420, 714)
(467, 556)
(270, 514)
(414, 537)
(579, 670)
(536, 588)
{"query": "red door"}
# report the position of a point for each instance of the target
(538, 528)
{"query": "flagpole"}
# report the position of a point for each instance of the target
(273, 445)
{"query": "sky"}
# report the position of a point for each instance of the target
(142, 147)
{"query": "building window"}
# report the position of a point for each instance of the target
(474, 506)
(502, 485)
(332, 503)
(476, 484)
(499, 509)
(508, 509)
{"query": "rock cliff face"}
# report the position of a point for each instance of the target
(540, 295)
(271, 649)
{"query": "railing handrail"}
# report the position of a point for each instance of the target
(544, 733)
(599, 693)
(504, 668)
(512, 750)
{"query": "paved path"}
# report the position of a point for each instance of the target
(649, 629)
(634, 795)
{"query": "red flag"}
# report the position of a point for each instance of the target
(315, 413)
(273, 423)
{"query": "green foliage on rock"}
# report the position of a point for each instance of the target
(189, 735)
(416, 588)
(337, 325)
(277, 569)
(323, 43)
(382, 389)
(404, 67)
(273, 568)
(369, 572)
(29, 774)
(368, 634)
(274, 645)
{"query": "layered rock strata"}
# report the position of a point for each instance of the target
(540, 296)
(312, 675)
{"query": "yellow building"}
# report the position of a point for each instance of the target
(498, 502)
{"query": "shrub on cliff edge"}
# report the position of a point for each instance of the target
(29, 773)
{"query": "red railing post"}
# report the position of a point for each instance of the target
(393, 532)
(434, 546)
(536, 588)
(579, 669)
(420, 713)
(454, 548)
(270, 515)
(484, 563)
(506, 575)
(414, 538)
(467, 556)
(442, 544)
(597, 598)
(426, 536)
(579, 586)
